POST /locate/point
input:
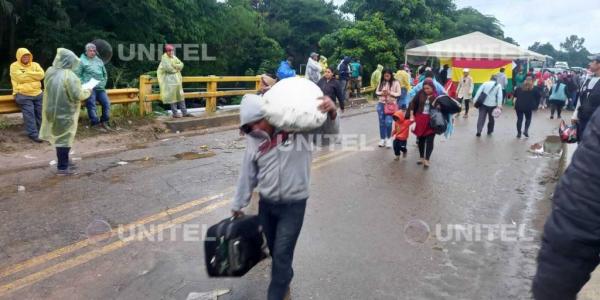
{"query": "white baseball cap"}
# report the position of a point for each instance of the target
(466, 70)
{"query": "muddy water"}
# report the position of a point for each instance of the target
(194, 155)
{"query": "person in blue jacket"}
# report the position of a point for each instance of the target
(439, 88)
(558, 98)
(285, 69)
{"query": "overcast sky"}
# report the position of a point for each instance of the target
(528, 21)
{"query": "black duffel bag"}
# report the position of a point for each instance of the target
(447, 105)
(234, 246)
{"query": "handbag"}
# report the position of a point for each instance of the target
(482, 97)
(437, 121)
(390, 108)
(567, 133)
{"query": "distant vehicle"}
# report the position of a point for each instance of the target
(554, 70)
(561, 65)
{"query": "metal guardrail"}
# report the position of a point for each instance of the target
(144, 95)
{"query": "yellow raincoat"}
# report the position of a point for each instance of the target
(62, 100)
(26, 79)
(323, 63)
(376, 76)
(404, 78)
(169, 79)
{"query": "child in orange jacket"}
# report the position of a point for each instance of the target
(400, 133)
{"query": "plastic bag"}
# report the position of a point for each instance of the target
(497, 112)
(292, 105)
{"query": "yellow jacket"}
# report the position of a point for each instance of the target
(26, 79)
(404, 79)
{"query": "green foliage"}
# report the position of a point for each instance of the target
(368, 39)
(245, 36)
(468, 19)
(233, 31)
(428, 20)
(298, 25)
(571, 50)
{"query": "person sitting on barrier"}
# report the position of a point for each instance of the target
(26, 76)
(61, 106)
(92, 67)
(171, 82)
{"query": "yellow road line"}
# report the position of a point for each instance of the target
(83, 258)
(76, 261)
(35, 261)
(84, 243)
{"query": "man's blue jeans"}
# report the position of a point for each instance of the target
(90, 104)
(281, 224)
(385, 122)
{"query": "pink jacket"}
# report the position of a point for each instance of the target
(394, 90)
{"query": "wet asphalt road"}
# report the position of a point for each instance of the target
(364, 235)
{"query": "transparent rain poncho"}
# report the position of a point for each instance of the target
(62, 100)
(170, 80)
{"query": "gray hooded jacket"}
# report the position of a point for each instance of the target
(281, 174)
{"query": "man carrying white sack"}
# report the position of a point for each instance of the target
(278, 164)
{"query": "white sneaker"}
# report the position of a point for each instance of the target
(381, 143)
(388, 143)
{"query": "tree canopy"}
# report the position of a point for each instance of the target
(571, 50)
(243, 36)
(368, 39)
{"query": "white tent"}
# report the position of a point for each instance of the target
(475, 45)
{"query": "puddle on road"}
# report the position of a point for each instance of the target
(551, 146)
(194, 155)
(136, 146)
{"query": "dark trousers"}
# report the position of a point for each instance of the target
(520, 115)
(426, 146)
(181, 105)
(355, 86)
(62, 155)
(344, 88)
(466, 104)
(556, 106)
(399, 146)
(31, 107)
(485, 112)
(281, 224)
(90, 104)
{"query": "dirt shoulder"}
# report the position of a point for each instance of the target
(18, 152)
